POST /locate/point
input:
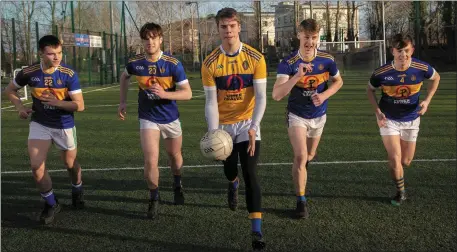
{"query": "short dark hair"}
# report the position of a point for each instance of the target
(49, 40)
(227, 13)
(309, 25)
(400, 41)
(150, 27)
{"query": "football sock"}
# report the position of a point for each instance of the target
(301, 196)
(77, 188)
(235, 183)
(177, 180)
(49, 197)
(154, 194)
(256, 222)
(400, 184)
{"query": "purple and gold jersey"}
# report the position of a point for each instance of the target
(299, 102)
(233, 76)
(168, 72)
(401, 89)
(62, 82)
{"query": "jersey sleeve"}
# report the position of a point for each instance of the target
(179, 75)
(20, 80)
(207, 78)
(374, 82)
(73, 85)
(284, 69)
(332, 69)
(260, 71)
(430, 73)
(129, 69)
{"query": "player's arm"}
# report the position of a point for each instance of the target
(211, 106)
(431, 90)
(283, 84)
(124, 82)
(183, 92)
(260, 90)
(76, 103)
(11, 93)
(337, 83)
(74, 91)
(373, 84)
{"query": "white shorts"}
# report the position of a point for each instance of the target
(408, 131)
(167, 130)
(64, 139)
(314, 127)
(239, 131)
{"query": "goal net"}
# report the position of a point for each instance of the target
(356, 57)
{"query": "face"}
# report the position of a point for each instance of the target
(404, 54)
(308, 41)
(229, 30)
(152, 43)
(51, 56)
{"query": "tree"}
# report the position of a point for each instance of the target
(328, 21)
(337, 20)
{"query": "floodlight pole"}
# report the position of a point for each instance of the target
(384, 33)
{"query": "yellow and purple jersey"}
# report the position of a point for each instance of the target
(233, 76)
(300, 102)
(401, 89)
(168, 72)
(62, 82)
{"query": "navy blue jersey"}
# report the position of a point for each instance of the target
(62, 82)
(300, 102)
(401, 89)
(168, 72)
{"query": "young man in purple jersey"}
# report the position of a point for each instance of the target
(161, 81)
(399, 110)
(304, 74)
(56, 95)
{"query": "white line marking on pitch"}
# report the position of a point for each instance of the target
(219, 165)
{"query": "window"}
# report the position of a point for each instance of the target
(265, 23)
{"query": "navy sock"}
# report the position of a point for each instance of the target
(235, 183)
(301, 198)
(256, 225)
(177, 180)
(154, 194)
(77, 188)
(49, 197)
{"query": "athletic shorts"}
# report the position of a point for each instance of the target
(167, 130)
(408, 131)
(314, 126)
(64, 139)
(239, 131)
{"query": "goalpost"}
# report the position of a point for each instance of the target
(356, 56)
(23, 91)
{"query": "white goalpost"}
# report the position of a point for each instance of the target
(356, 56)
(23, 94)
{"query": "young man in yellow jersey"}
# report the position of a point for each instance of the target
(234, 78)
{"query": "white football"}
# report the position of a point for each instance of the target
(216, 145)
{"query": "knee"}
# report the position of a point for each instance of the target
(311, 155)
(406, 162)
(69, 163)
(394, 158)
(301, 160)
(173, 156)
(37, 169)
